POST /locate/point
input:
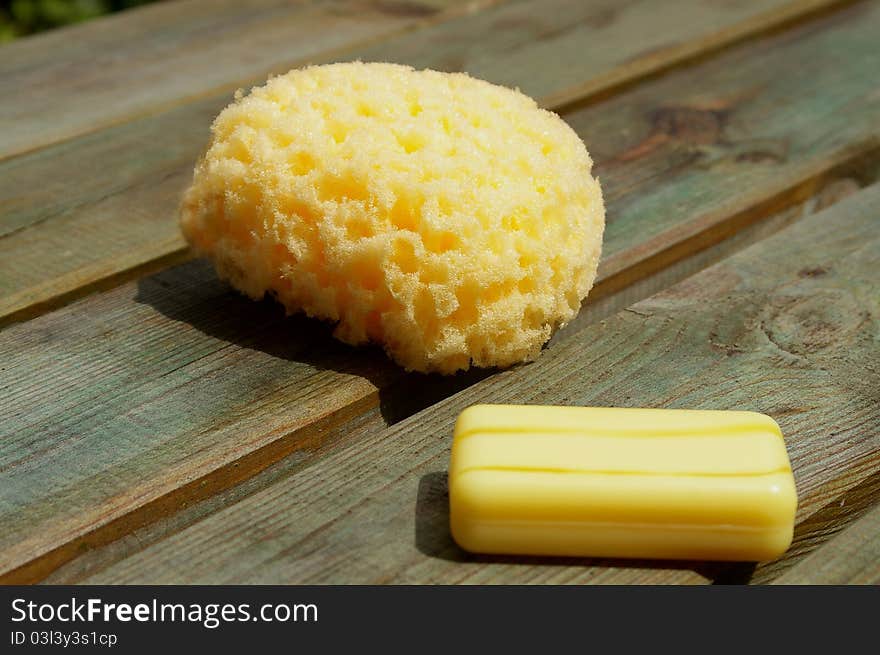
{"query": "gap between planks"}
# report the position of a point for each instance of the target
(234, 479)
(632, 73)
(770, 329)
(423, 14)
(263, 464)
(626, 74)
(119, 544)
(61, 289)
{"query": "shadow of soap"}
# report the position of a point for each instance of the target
(434, 539)
(823, 525)
(191, 293)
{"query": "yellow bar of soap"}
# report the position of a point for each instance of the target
(608, 482)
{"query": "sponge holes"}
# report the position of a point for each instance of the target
(341, 187)
(403, 255)
(366, 275)
(406, 257)
(440, 242)
(358, 228)
(405, 216)
(411, 141)
(301, 163)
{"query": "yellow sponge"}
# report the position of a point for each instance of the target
(452, 221)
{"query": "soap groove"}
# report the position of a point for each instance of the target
(616, 432)
(516, 469)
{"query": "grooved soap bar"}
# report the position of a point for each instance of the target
(607, 482)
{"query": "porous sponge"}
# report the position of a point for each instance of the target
(450, 220)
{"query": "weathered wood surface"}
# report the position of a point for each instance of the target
(110, 70)
(852, 557)
(822, 525)
(68, 82)
(569, 51)
(131, 403)
(61, 233)
(422, 392)
(789, 327)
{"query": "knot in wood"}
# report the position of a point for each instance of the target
(689, 125)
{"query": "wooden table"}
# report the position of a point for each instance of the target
(156, 427)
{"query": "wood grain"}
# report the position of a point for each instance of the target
(570, 51)
(822, 526)
(132, 403)
(95, 555)
(92, 212)
(104, 72)
(64, 83)
(852, 557)
(788, 327)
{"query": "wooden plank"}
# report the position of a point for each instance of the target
(787, 327)
(107, 71)
(94, 556)
(61, 235)
(176, 397)
(68, 82)
(822, 525)
(852, 557)
(570, 51)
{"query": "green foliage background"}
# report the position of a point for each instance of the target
(23, 17)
